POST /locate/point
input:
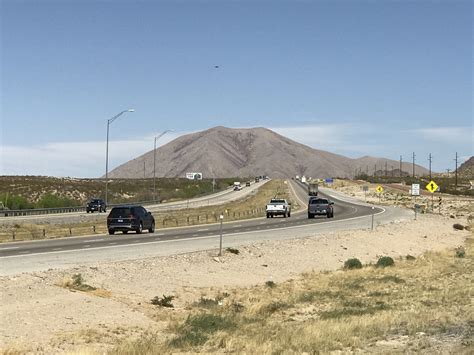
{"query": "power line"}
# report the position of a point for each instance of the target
(413, 164)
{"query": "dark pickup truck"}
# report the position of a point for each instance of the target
(96, 204)
(320, 206)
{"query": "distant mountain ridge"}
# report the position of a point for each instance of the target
(228, 152)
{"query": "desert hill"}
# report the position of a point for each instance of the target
(228, 152)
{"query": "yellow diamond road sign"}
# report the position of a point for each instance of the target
(379, 189)
(432, 187)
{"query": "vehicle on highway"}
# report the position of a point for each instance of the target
(96, 204)
(130, 218)
(257, 179)
(247, 183)
(320, 206)
(278, 207)
(313, 188)
(237, 186)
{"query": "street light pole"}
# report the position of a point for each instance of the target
(154, 162)
(109, 121)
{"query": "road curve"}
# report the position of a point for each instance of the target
(217, 198)
(59, 253)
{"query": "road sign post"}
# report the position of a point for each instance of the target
(221, 217)
(380, 190)
(432, 187)
(373, 211)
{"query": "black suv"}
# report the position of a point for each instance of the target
(130, 218)
(96, 205)
(320, 206)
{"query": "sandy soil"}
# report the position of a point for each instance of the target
(39, 315)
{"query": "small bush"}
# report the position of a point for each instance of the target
(233, 251)
(385, 261)
(460, 252)
(270, 284)
(164, 301)
(458, 226)
(77, 280)
(353, 263)
(410, 257)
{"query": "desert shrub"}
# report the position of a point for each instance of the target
(164, 301)
(353, 263)
(385, 261)
(410, 257)
(270, 284)
(460, 252)
(14, 202)
(52, 201)
(458, 226)
(77, 280)
(233, 251)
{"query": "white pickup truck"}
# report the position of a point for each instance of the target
(278, 207)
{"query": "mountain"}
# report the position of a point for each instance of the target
(228, 152)
(466, 169)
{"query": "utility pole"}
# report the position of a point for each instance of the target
(413, 164)
(392, 169)
(367, 171)
(456, 172)
(430, 159)
(386, 174)
(375, 170)
(448, 170)
(400, 166)
(144, 175)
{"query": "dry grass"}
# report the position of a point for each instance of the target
(252, 206)
(421, 304)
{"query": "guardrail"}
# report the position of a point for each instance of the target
(42, 211)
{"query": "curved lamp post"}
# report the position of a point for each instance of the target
(109, 121)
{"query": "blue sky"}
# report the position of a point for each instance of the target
(379, 78)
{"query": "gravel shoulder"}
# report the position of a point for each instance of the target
(41, 316)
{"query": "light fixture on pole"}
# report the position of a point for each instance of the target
(109, 121)
(154, 161)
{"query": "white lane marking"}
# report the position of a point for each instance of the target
(186, 239)
(9, 248)
(195, 235)
(157, 234)
(203, 230)
(262, 223)
(93, 241)
(57, 249)
(237, 225)
(138, 241)
(114, 243)
(87, 246)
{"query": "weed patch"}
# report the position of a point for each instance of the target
(197, 329)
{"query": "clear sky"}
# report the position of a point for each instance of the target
(379, 78)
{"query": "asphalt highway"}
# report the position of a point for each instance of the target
(343, 210)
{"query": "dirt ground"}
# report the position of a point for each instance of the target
(39, 315)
